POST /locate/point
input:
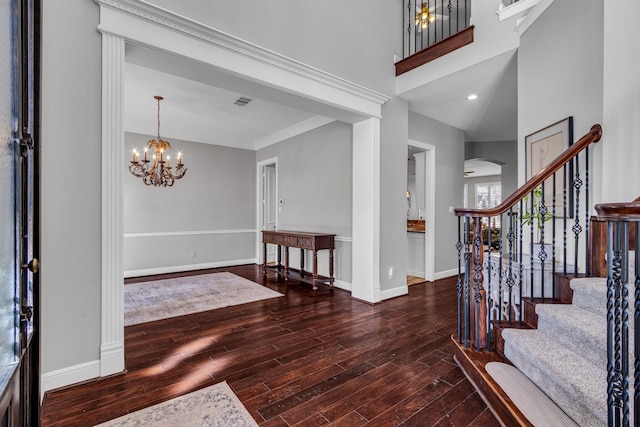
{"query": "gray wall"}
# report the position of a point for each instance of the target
(393, 191)
(503, 151)
(71, 184)
(449, 159)
(201, 213)
(560, 73)
(314, 179)
(620, 146)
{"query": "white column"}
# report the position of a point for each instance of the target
(366, 211)
(112, 330)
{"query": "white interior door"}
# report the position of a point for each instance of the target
(269, 205)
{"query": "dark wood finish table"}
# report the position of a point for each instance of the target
(304, 241)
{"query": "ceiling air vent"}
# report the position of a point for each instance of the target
(242, 101)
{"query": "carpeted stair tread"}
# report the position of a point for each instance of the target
(578, 329)
(574, 383)
(536, 406)
(590, 293)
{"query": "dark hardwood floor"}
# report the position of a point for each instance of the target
(305, 359)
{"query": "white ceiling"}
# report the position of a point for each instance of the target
(198, 104)
(490, 117)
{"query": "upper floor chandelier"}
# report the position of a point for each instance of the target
(158, 170)
(424, 16)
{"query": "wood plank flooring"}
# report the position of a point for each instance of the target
(305, 359)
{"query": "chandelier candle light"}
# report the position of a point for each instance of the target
(157, 171)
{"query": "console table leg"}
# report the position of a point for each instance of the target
(279, 262)
(286, 263)
(315, 270)
(331, 268)
(302, 262)
(264, 259)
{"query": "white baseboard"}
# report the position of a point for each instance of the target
(395, 292)
(188, 267)
(342, 285)
(71, 375)
(415, 273)
(446, 273)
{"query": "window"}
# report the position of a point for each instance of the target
(489, 195)
(465, 200)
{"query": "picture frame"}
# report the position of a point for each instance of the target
(541, 148)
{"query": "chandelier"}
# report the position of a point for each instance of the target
(158, 170)
(423, 17)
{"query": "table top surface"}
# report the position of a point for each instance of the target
(297, 233)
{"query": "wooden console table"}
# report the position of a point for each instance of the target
(305, 241)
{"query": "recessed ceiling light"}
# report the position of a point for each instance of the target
(472, 97)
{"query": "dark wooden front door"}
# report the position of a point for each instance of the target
(19, 297)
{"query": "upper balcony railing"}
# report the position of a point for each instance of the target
(428, 22)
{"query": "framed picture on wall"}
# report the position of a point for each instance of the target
(541, 148)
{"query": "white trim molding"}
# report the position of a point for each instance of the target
(71, 375)
(395, 292)
(112, 291)
(158, 28)
(290, 132)
(446, 273)
(187, 267)
(523, 24)
(506, 12)
(188, 233)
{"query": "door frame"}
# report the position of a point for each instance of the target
(430, 202)
(260, 167)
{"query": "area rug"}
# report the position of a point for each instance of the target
(161, 299)
(216, 406)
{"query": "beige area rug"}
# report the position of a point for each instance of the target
(216, 405)
(161, 299)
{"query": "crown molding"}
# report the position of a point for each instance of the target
(291, 131)
(181, 25)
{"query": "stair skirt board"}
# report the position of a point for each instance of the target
(539, 409)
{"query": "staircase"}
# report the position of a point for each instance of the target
(545, 346)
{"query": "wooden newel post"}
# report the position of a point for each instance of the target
(478, 293)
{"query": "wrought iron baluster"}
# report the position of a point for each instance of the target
(542, 255)
(531, 253)
(553, 239)
(478, 279)
(459, 284)
(520, 259)
(586, 206)
(617, 324)
(564, 218)
(577, 228)
(636, 330)
(449, 6)
(510, 280)
(467, 280)
(489, 285)
(500, 272)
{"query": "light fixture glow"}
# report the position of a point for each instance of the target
(472, 97)
(157, 172)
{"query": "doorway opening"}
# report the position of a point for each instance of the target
(267, 204)
(421, 209)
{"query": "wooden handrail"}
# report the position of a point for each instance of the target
(594, 135)
(619, 211)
